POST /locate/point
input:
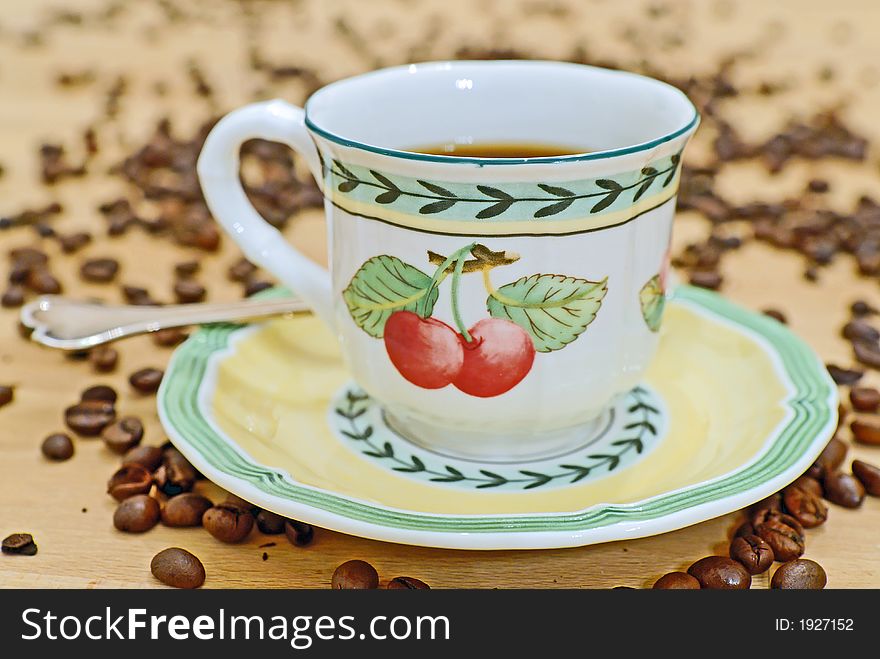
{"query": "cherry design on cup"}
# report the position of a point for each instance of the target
(394, 301)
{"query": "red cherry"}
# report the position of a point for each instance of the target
(498, 357)
(425, 351)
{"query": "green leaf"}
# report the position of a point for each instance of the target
(437, 206)
(384, 180)
(653, 301)
(494, 209)
(643, 188)
(539, 479)
(608, 184)
(343, 169)
(388, 197)
(554, 309)
(436, 189)
(607, 200)
(493, 192)
(556, 190)
(381, 286)
(553, 209)
(347, 186)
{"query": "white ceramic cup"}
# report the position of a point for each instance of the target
(494, 307)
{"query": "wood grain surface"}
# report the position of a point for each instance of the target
(824, 54)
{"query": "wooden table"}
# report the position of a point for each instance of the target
(64, 505)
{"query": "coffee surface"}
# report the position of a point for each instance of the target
(500, 150)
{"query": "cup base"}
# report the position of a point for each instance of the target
(504, 448)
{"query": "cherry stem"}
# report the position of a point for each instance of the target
(456, 313)
(439, 275)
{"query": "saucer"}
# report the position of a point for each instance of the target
(733, 408)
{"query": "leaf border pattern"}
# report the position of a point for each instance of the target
(641, 425)
(486, 202)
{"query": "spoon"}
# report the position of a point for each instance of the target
(59, 322)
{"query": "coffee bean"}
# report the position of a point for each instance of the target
(868, 475)
(720, 572)
(169, 337)
(744, 529)
(256, 286)
(73, 242)
(355, 575)
(844, 376)
(123, 434)
(860, 308)
(29, 256)
(228, 523)
(188, 291)
(138, 296)
(409, 583)
(12, 297)
(710, 279)
(104, 358)
(146, 380)
(89, 417)
(864, 399)
(866, 433)
(299, 533)
(802, 574)
(7, 395)
(136, 514)
(149, 457)
(185, 509)
(776, 315)
(129, 480)
(234, 500)
(772, 502)
(782, 532)
(57, 446)
(99, 392)
(860, 330)
(755, 555)
(241, 270)
(867, 354)
(41, 281)
(802, 503)
(675, 581)
(175, 474)
(99, 271)
(270, 523)
(187, 269)
(818, 185)
(19, 543)
(178, 568)
(809, 484)
(844, 490)
(829, 460)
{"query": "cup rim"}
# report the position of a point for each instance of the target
(604, 154)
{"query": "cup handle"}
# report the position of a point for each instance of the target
(218, 169)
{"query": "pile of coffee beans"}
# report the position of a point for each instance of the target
(360, 575)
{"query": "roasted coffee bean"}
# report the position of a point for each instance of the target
(138, 296)
(73, 242)
(809, 484)
(773, 502)
(818, 185)
(228, 523)
(860, 309)
(745, 528)
(123, 434)
(129, 480)
(802, 503)
(104, 358)
(410, 583)
(844, 489)
(89, 417)
(868, 475)
(29, 256)
(867, 354)
(864, 399)
(860, 330)
(12, 297)
(776, 315)
(41, 281)
(802, 574)
(720, 572)
(169, 337)
(675, 581)
(187, 269)
(234, 500)
(710, 279)
(188, 291)
(57, 446)
(355, 575)
(19, 543)
(256, 286)
(829, 460)
(844, 376)
(185, 509)
(100, 392)
(136, 514)
(866, 433)
(99, 271)
(241, 270)
(7, 394)
(299, 533)
(149, 457)
(782, 532)
(755, 555)
(146, 380)
(175, 474)
(270, 523)
(178, 568)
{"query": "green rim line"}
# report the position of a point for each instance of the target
(809, 406)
